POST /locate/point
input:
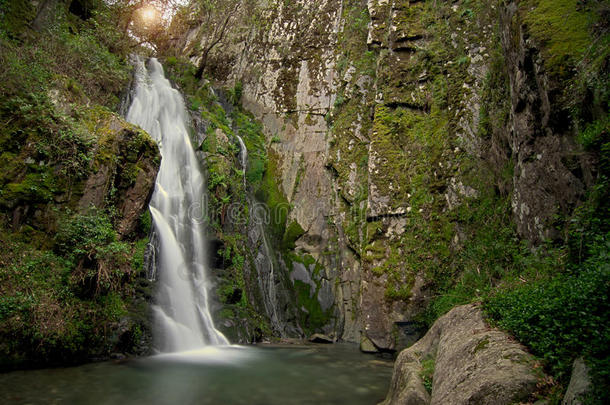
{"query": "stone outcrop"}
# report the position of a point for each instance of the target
(286, 67)
(126, 160)
(473, 364)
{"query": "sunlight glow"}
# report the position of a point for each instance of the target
(149, 14)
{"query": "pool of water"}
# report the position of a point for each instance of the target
(320, 374)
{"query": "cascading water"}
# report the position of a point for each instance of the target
(182, 315)
(243, 157)
(263, 263)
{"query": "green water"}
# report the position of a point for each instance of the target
(333, 374)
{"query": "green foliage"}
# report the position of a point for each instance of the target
(91, 53)
(293, 232)
(36, 132)
(140, 248)
(561, 310)
(563, 317)
(83, 234)
(235, 94)
(256, 170)
(277, 204)
(312, 318)
(14, 16)
(44, 321)
(65, 279)
(251, 132)
(594, 133)
(427, 372)
(112, 306)
(145, 223)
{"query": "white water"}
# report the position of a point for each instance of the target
(182, 315)
(243, 157)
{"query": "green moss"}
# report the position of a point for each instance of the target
(312, 318)
(35, 188)
(293, 232)
(427, 372)
(562, 27)
(270, 193)
(482, 344)
(409, 145)
(15, 16)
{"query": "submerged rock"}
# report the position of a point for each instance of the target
(472, 363)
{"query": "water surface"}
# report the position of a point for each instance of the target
(333, 374)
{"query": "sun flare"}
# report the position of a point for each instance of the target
(149, 14)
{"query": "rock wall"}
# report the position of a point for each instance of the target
(386, 121)
(551, 173)
(286, 68)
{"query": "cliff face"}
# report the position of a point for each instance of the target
(551, 172)
(286, 68)
(408, 138)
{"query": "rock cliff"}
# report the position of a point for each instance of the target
(392, 126)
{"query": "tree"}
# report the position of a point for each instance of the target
(215, 16)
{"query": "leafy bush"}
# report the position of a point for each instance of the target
(564, 317)
(83, 234)
(90, 243)
(560, 318)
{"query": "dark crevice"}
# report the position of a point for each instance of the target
(401, 104)
(382, 216)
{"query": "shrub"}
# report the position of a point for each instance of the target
(562, 318)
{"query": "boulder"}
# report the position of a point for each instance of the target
(473, 364)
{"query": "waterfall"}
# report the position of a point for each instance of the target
(243, 157)
(182, 316)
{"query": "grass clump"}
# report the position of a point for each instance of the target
(427, 372)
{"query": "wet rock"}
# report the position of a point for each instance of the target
(326, 297)
(320, 338)
(474, 364)
(366, 346)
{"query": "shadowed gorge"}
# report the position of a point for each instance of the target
(417, 183)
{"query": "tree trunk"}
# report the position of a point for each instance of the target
(216, 41)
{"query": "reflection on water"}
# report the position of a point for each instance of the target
(334, 374)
